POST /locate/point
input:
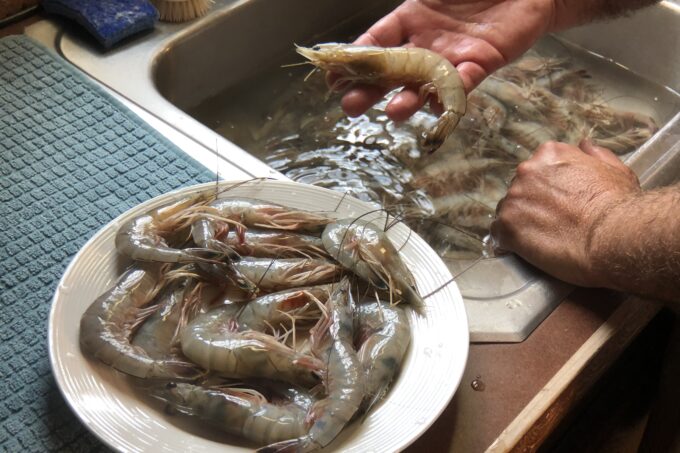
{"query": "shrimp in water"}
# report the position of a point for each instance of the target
(398, 66)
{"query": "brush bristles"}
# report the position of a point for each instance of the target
(181, 10)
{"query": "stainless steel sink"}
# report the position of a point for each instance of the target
(177, 67)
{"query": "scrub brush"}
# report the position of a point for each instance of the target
(181, 10)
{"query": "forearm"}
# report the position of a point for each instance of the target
(636, 246)
(569, 13)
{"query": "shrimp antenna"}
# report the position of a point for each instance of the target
(309, 74)
(344, 195)
(453, 279)
(292, 65)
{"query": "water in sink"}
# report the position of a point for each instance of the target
(450, 197)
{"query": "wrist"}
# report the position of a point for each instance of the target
(610, 233)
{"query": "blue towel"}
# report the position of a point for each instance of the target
(107, 20)
(71, 159)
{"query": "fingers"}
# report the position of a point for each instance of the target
(403, 105)
(387, 32)
(360, 98)
(601, 153)
(608, 157)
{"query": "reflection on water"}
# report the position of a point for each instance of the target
(553, 93)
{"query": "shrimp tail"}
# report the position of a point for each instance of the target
(172, 398)
(414, 299)
(368, 404)
(434, 138)
(298, 445)
(184, 370)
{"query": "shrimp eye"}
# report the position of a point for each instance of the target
(170, 385)
(317, 47)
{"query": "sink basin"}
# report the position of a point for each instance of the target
(176, 68)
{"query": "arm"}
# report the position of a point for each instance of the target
(580, 215)
(477, 36)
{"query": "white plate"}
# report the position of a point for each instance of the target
(127, 421)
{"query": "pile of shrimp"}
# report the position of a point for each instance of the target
(449, 196)
(274, 324)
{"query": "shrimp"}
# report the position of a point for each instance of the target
(239, 411)
(332, 340)
(515, 98)
(383, 336)
(456, 173)
(281, 306)
(395, 66)
(367, 251)
(269, 310)
(158, 335)
(275, 244)
(107, 326)
(146, 237)
(250, 212)
(278, 274)
(214, 342)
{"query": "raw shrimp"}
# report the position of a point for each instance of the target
(269, 310)
(146, 237)
(158, 336)
(278, 307)
(204, 235)
(213, 341)
(250, 212)
(332, 340)
(466, 209)
(529, 134)
(456, 173)
(107, 326)
(383, 336)
(395, 66)
(239, 411)
(275, 244)
(278, 274)
(364, 249)
(515, 98)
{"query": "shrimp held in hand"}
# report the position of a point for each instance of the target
(398, 66)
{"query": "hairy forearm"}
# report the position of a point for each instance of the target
(569, 13)
(637, 245)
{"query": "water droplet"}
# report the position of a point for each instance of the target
(64, 289)
(513, 303)
(428, 351)
(477, 385)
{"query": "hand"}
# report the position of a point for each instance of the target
(555, 209)
(477, 36)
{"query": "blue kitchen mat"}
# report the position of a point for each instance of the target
(71, 159)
